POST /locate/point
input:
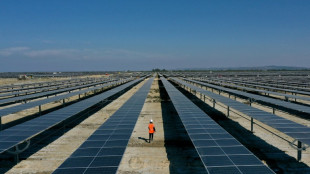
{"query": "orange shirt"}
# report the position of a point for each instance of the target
(151, 128)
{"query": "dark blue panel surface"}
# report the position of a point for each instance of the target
(214, 145)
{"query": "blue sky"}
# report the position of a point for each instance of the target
(76, 35)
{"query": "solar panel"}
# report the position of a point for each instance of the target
(20, 133)
(17, 108)
(103, 150)
(47, 93)
(272, 101)
(48, 88)
(294, 130)
(270, 86)
(218, 150)
(259, 90)
(24, 87)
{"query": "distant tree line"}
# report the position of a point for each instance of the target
(158, 70)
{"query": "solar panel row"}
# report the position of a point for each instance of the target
(103, 150)
(49, 88)
(292, 82)
(294, 130)
(275, 87)
(17, 108)
(269, 88)
(219, 151)
(15, 135)
(272, 101)
(258, 90)
(24, 87)
(42, 94)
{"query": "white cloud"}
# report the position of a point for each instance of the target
(12, 50)
(42, 53)
(51, 52)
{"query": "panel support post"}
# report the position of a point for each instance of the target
(16, 156)
(213, 103)
(227, 111)
(273, 110)
(299, 150)
(40, 109)
(251, 124)
(17, 151)
(204, 98)
(63, 101)
(0, 123)
(79, 96)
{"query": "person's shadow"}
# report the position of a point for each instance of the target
(141, 138)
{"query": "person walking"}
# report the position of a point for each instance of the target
(151, 130)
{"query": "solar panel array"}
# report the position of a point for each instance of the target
(103, 150)
(50, 88)
(270, 85)
(24, 131)
(268, 88)
(295, 130)
(272, 101)
(47, 93)
(219, 151)
(258, 90)
(24, 87)
(27, 85)
(17, 108)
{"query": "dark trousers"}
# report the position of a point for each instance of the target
(151, 137)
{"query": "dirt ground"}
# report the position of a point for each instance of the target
(47, 159)
(141, 156)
